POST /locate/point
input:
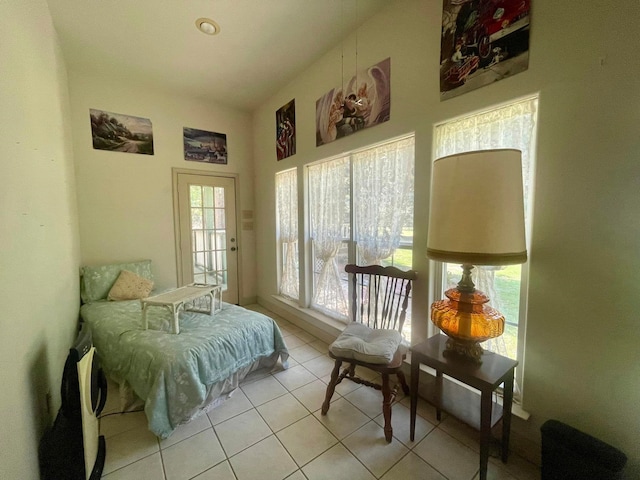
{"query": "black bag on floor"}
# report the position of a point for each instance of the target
(569, 454)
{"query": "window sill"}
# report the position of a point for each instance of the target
(322, 326)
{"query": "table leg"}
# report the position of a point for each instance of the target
(211, 304)
(415, 381)
(506, 416)
(485, 432)
(439, 394)
(176, 315)
(386, 407)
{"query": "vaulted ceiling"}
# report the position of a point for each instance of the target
(261, 45)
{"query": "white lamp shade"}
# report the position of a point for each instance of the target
(477, 209)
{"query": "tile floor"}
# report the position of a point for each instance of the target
(271, 429)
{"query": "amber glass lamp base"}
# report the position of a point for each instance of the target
(467, 321)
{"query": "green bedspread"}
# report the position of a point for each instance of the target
(172, 373)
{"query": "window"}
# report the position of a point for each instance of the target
(510, 126)
(360, 211)
(287, 232)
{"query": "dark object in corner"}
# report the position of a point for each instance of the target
(569, 454)
(73, 449)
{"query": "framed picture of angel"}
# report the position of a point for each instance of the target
(364, 101)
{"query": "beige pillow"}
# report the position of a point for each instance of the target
(130, 286)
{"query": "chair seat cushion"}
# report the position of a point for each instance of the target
(359, 342)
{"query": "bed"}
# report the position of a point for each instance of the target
(177, 376)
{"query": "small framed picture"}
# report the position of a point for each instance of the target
(286, 130)
(203, 146)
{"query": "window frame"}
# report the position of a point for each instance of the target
(305, 241)
(279, 243)
(437, 269)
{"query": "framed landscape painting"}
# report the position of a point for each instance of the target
(204, 146)
(483, 41)
(121, 133)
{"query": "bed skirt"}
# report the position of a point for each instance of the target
(217, 393)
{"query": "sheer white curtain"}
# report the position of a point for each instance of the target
(329, 184)
(511, 126)
(383, 197)
(287, 212)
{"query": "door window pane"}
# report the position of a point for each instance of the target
(219, 218)
(208, 218)
(196, 218)
(195, 194)
(208, 196)
(208, 235)
(219, 197)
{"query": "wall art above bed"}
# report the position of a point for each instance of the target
(121, 133)
(203, 146)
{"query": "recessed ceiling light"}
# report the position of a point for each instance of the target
(208, 26)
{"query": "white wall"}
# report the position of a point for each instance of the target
(39, 249)
(582, 360)
(125, 200)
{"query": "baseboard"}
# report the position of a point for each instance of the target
(316, 324)
(248, 301)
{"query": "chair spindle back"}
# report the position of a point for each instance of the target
(380, 295)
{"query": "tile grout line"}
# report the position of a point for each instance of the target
(274, 433)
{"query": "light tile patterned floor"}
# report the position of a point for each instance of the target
(272, 429)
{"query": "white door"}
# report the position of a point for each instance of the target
(207, 237)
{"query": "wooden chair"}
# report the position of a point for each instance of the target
(379, 299)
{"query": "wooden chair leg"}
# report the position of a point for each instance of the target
(386, 407)
(403, 382)
(331, 387)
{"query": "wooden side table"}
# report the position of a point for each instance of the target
(486, 377)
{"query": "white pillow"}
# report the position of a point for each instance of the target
(365, 344)
(130, 286)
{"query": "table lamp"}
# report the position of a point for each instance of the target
(476, 218)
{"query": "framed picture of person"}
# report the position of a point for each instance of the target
(286, 130)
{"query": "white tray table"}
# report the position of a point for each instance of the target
(185, 298)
